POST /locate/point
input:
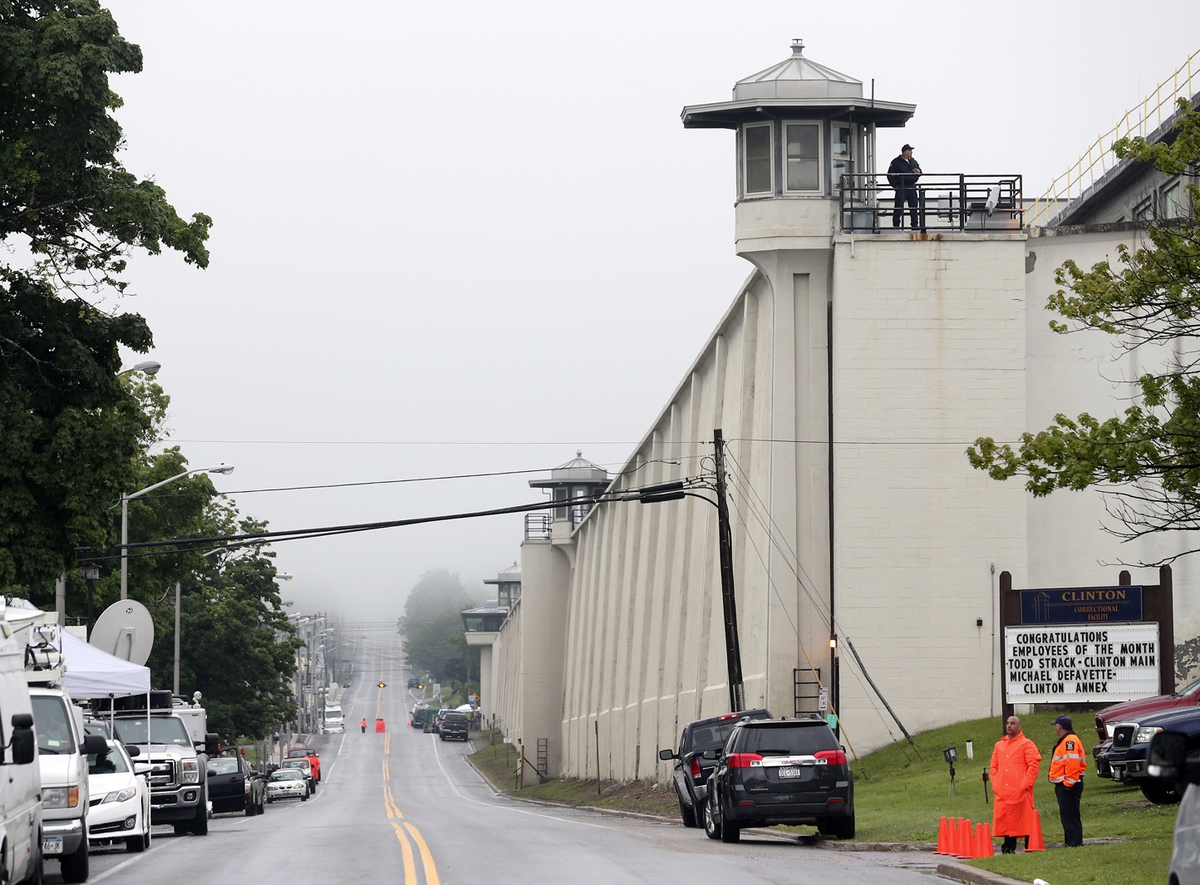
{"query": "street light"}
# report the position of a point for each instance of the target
(125, 499)
(149, 367)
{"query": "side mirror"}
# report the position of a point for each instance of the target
(133, 750)
(93, 743)
(212, 743)
(667, 754)
(1168, 758)
(23, 743)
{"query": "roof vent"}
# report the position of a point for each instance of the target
(797, 47)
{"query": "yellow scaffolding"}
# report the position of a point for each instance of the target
(1141, 120)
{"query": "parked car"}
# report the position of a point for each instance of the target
(780, 771)
(691, 768)
(1174, 759)
(417, 718)
(120, 796)
(437, 719)
(313, 758)
(1128, 756)
(234, 786)
(305, 768)
(1132, 711)
(287, 783)
(454, 725)
(413, 682)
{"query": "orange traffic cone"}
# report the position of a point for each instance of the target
(965, 837)
(1035, 838)
(983, 840)
(942, 847)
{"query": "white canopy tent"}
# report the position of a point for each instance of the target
(93, 673)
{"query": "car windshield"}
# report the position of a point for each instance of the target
(286, 774)
(222, 766)
(787, 741)
(111, 762)
(163, 730)
(298, 764)
(455, 717)
(1191, 688)
(51, 724)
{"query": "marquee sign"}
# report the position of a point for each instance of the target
(1081, 664)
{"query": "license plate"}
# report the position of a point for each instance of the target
(52, 845)
(789, 772)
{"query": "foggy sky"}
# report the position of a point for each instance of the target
(475, 237)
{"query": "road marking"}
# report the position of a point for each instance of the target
(410, 868)
(389, 803)
(431, 874)
(123, 864)
(387, 774)
(387, 743)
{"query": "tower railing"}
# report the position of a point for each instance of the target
(945, 202)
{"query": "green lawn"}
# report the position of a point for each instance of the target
(900, 797)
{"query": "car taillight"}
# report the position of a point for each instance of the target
(743, 760)
(696, 769)
(831, 757)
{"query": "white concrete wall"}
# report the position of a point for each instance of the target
(929, 355)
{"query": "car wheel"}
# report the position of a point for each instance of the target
(182, 829)
(74, 867)
(712, 826)
(304, 797)
(837, 827)
(200, 821)
(136, 844)
(250, 809)
(1161, 793)
(730, 833)
(688, 814)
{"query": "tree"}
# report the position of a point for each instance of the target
(435, 594)
(1150, 300)
(440, 649)
(71, 214)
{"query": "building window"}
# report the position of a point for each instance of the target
(757, 174)
(1144, 211)
(843, 154)
(803, 142)
(1172, 201)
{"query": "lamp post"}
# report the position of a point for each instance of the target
(90, 572)
(148, 367)
(125, 499)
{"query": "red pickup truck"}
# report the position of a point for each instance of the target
(310, 754)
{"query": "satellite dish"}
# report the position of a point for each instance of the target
(125, 630)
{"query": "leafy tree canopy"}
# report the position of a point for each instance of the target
(440, 649)
(71, 214)
(437, 593)
(1150, 299)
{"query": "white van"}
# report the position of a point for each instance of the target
(334, 722)
(20, 782)
(1174, 756)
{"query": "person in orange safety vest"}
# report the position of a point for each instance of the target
(1013, 771)
(1067, 765)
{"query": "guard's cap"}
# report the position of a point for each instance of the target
(907, 147)
(1065, 722)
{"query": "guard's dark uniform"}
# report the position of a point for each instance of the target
(1067, 764)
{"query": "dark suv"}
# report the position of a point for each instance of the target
(1130, 747)
(454, 725)
(691, 768)
(780, 771)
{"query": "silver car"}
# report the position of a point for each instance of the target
(287, 783)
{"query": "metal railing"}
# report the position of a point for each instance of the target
(956, 202)
(1099, 157)
(537, 526)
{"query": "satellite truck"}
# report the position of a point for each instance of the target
(20, 777)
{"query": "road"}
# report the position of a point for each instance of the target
(403, 806)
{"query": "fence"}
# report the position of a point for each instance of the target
(944, 202)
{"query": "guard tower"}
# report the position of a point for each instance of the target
(578, 478)
(800, 128)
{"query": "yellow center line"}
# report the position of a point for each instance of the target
(410, 868)
(389, 804)
(431, 874)
(387, 773)
(387, 743)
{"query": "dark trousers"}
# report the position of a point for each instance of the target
(1068, 812)
(906, 195)
(1010, 844)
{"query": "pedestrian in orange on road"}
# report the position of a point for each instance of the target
(364, 726)
(1013, 771)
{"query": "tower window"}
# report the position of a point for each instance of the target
(803, 141)
(757, 152)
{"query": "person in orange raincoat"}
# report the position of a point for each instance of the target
(1013, 772)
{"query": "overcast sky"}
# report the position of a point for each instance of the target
(475, 237)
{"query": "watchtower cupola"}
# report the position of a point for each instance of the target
(800, 126)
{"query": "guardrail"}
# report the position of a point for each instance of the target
(945, 202)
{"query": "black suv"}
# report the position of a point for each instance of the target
(780, 771)
(691, 768)
(454, 725)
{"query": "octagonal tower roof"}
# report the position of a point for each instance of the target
(798, 86)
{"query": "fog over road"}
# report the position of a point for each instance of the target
(406, 807)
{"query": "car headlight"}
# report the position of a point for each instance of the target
(190, 771)
(1145, 733)
(60, 797)
(120, 795)
(1110, 727)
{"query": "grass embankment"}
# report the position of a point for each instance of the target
(901, 793)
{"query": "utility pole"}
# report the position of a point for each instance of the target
(733, 651)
